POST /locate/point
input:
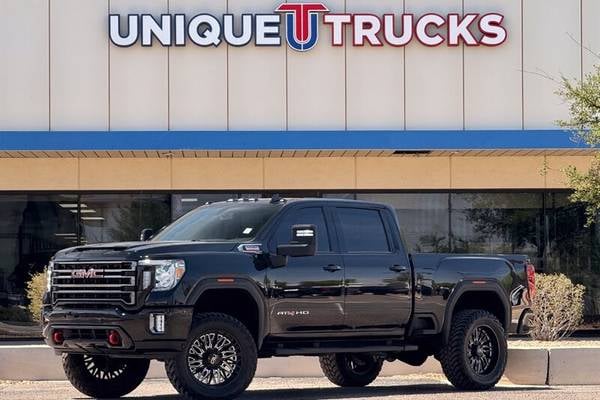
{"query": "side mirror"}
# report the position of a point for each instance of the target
(146, 235)
(303, 244)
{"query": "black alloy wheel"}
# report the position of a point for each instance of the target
(476, 353)
(218, 361)
(104, 377)
(351, 370)
(482, 350)
(104, 368)
(213, 358)
(360, 364)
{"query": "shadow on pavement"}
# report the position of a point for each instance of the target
(351, 393)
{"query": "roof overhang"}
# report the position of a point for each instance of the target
(288, 143)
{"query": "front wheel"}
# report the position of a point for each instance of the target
(102, 377)
(475, 356)
(218, 361)
(351, 370)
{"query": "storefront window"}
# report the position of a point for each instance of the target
(33, 228)
(342, 196)
(121, 217)
(547, 227)
(501, 223)
(184, 203)
(572, 248)
(423, 217)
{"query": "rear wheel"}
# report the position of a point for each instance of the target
(351, 370)
(218, 362)
(476, 353)
(103, 377)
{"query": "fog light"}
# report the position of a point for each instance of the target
(58, 337)
(114, 339)
(157, 323)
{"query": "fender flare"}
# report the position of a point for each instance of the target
(238, 283)
(469, 287)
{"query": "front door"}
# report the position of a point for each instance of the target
(306, 294)
(378, 275)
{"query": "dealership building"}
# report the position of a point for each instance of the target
(118, 115)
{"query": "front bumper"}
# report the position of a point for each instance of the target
(84, 331)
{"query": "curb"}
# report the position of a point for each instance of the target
(574, 366)
(527, 366)
(39, 363)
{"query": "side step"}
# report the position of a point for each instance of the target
(317, 347)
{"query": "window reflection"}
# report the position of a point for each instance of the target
(184, 203)
(572, 248)
(424, 219)
(118, 217)
(545, 226)
(33, 228)
(506, 223)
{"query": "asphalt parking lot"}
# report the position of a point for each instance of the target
(411, 387)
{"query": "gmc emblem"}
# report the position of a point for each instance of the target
(84, 274)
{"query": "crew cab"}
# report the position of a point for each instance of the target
(235, 281)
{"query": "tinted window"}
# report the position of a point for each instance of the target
(311, 215)
(363, 230)
(221, 222)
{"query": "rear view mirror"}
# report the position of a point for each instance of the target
(303, 244)
(146, 235)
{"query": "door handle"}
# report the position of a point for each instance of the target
(398, 268)
(332, 268)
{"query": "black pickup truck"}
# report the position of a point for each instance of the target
(232, 282)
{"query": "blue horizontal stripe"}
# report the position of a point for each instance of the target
(289, 140)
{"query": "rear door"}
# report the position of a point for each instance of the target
(306, 295)
(378, 276)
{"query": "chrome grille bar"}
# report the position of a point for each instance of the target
(102, 282)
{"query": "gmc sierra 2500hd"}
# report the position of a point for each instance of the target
(232, 282)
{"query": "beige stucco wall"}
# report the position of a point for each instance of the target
(334, 173)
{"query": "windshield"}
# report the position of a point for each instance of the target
(220, 222)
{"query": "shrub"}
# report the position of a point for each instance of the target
(557, 307)
(35, 293)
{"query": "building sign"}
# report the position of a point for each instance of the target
(299, 24)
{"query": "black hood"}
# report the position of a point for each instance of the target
(136, 250)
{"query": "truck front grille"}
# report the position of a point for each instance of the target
(94, 282)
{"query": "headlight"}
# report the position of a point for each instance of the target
(49, 276)
(167, 273)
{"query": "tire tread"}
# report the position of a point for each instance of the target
(450, 356)
(76, 373)
(172, 367)
(330, 365)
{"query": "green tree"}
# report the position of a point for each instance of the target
(583, 98)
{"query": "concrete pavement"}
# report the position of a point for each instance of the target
(390, 388)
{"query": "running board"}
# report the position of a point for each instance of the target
(303, 348)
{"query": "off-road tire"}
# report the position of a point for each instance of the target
(184, 381)
(337, 369)
(454, 357)
(103, 386)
